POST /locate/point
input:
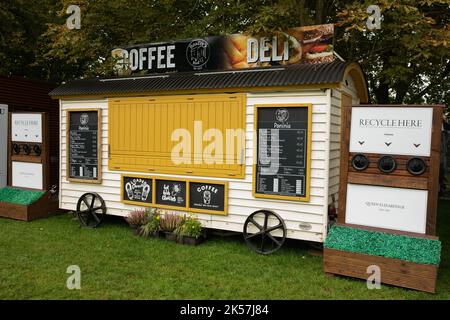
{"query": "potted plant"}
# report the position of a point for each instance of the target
(168, 223)
(151, 228)
(136, 219)
(190, 232)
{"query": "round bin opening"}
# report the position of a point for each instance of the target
(387, 164)
(37, 149)
(416, 166)
(26, 149)
(16, 148)
(360, 162)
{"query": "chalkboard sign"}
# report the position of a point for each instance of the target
(137, 190)
(207, 197)
(170, 193)
(283, 139)
(83, 138)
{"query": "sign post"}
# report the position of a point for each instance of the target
(28, 150)
(390, 167)
(3, 145)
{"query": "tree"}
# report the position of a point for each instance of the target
(408, 59)
(21, 24)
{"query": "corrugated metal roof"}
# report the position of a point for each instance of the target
(325, 73)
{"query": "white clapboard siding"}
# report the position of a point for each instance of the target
(241, 202)
(335, 127)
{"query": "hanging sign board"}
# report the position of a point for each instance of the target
(170, 193)
(26, 127)
(391, 131)
(386, 207)
(313, 44)
(83, 144)
(205, 196)
(283, 144)
(137, 190)
(27, 175)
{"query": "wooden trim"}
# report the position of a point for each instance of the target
(433, 182)
(346, 116)
(393, 271)
(99, 146)
(306, 198)
(385, 180)
(204, 91)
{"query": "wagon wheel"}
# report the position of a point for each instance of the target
(261, 238)
(90, 209)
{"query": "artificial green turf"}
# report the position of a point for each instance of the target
(115, 264)
(19, 196)
(418, 250)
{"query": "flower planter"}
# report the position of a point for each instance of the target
(395, 272)
(192, 241)
(170, 236)
(136, 230)
(156, 234)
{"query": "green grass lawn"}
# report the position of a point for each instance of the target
(115, 264)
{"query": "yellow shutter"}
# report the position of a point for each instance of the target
(140, 133)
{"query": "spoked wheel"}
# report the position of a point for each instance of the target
(264, 231)
(90, 210)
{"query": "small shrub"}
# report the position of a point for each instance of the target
(137, 218)
(190, 228)
(170, 221)
(151, 226)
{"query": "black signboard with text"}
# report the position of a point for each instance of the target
(137, 190)
(282, 151)
(207, 196)
(170, 193)
(83, 141)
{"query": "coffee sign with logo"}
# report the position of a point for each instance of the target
(283, 148)
(137, 190)
(206, 196)
(83, 141)
(312, 44)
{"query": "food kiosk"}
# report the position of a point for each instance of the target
(242, 131)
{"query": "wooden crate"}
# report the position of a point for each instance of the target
(395, 272)
(39, 209)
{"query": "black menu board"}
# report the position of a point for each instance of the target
(137, 190)
(83, 142)
(170, 193)
(205, 196)
(282, 152)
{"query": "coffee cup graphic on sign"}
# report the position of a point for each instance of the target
(207, 197)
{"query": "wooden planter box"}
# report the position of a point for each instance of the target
(39, 209)
(395, 272)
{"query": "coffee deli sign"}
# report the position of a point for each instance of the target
(313, 44)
